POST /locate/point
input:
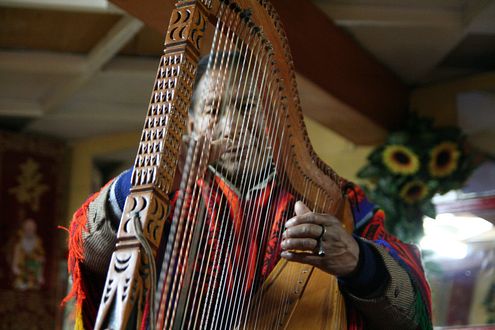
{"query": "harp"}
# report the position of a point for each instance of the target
(230, 292)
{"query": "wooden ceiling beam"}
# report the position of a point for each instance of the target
(376, 15)
(102, 52)
(332, 59)
(91, 6)
(19, 108)
(21, 61)
(329, 58)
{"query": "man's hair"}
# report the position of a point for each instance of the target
(216, 58)
(231, 58)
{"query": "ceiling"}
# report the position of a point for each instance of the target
(423, 41)
(75, 69)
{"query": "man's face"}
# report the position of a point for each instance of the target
(231, 110)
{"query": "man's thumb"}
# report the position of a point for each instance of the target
(300, 208)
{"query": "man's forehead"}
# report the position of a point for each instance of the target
(230, 77)
(218, 84)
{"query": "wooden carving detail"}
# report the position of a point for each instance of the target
(167, 112)
(147, 206)
(206, 3)
(188, 24)
(151, 212)
(123, 286)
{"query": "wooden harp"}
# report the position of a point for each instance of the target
(135, 294)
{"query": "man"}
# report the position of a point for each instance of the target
(380, 277)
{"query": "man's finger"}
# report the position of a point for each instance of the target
(307, 218)
(304, 231)
(312, 218)
(305, 258)
(217, 148)
(302, 244)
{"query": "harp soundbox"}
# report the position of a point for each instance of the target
(193, 259)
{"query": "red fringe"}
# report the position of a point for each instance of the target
(76, 251)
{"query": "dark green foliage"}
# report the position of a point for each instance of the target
(411, 167)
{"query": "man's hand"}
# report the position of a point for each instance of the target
(196, 145)
(308, 233)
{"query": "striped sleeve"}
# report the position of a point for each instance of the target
(407, 294)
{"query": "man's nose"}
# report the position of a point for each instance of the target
(226, 127)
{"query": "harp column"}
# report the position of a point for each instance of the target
(147, 206)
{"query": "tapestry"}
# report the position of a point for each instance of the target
(32, 186)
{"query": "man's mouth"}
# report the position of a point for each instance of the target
(237, 152)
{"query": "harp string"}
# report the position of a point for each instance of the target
(234, 71)
(230, 115)
(284, 150)
(194, 308)
(220, 223)
(272, 130)
(294, 276)
(233, 116)
(271, 105)
(224, 222)
(275, 304)
(247, 181)
(281, 182)
(192, 217)
(255, 213)
(266, 232)
(169, 260)
(210, 308)
(285, 293)
(224, 228)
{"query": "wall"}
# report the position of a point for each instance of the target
(342, 155)
(83, 154)
(440, 100)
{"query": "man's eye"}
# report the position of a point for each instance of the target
(210, 110)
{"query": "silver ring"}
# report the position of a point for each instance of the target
(320, 252)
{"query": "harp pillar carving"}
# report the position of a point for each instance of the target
(128, 277)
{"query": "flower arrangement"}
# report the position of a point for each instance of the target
(412, 166)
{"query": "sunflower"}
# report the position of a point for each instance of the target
(413, 191)
(400, 160)
(444, 159)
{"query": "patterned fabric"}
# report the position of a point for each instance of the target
(235, 239)
(406, 255)
(401, 260)
(82, 291)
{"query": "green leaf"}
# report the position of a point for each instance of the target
(388, 185)
(433, 185)
(427, 139)
(376, 155)
(450, 133)
(429, 209)
(400, 137)
(369, 171)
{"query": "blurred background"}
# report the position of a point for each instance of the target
(75, 81)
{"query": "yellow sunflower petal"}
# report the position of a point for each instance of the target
(400, 160)
(413, 191)
(443, 159)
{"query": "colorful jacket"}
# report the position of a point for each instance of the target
(400, 301)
